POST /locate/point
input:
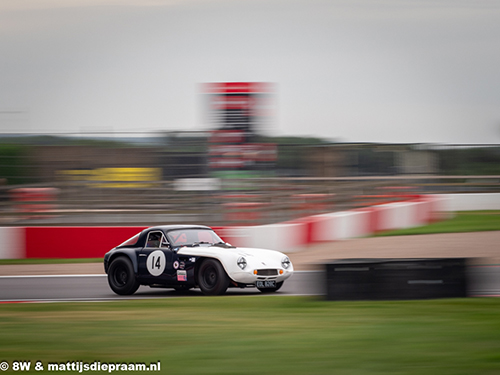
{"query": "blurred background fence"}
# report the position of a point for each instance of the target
(117, 179)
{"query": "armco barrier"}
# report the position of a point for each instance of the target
(94, 242)
(396, 279)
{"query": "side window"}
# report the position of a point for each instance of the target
(154, 239)
(157, 239)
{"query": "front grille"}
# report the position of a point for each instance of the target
(267, 272)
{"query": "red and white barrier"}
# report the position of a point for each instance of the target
(281, 236)
(74, 242)
(471, 202)
(94, 242)
(12, 243)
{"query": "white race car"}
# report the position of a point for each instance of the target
(186, 256)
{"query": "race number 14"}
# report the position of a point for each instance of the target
(156, 262)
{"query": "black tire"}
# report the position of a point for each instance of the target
(212, 279)
(272, 290)
(121, 276)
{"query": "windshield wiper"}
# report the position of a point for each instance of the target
(224, 244)
(199, 243)
(219, 244)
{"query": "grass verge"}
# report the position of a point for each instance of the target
(261, 335)
(464, 221)
(49, 261)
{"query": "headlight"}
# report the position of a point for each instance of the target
(285, 262)
(242, 262)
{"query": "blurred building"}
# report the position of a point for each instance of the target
(237, 112)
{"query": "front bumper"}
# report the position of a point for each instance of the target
(248, 277)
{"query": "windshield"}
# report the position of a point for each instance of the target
(190, 236)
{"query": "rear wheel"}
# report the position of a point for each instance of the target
(212, 279)
(121, 276)
(271, 290)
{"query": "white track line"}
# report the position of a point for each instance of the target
(46, 276)
(89, 275)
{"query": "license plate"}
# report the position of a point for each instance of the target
(265, 284)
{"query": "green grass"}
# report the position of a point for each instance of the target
(261, 335)
(465, 221)
(49, 261)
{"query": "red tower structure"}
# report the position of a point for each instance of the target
(236, 111)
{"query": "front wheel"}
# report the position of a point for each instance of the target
(272, 290)
(121, 276)
(212, 279)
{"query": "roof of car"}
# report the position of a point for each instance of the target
(178, 226)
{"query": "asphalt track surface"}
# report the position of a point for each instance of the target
(96, 288)
(484, 281)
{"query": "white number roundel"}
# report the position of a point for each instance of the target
(156, 262)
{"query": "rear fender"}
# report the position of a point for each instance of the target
(129, 253)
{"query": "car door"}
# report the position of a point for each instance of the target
(155, 260)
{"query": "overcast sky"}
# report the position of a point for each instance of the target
(354, 70)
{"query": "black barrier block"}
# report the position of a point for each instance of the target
(396, 279)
